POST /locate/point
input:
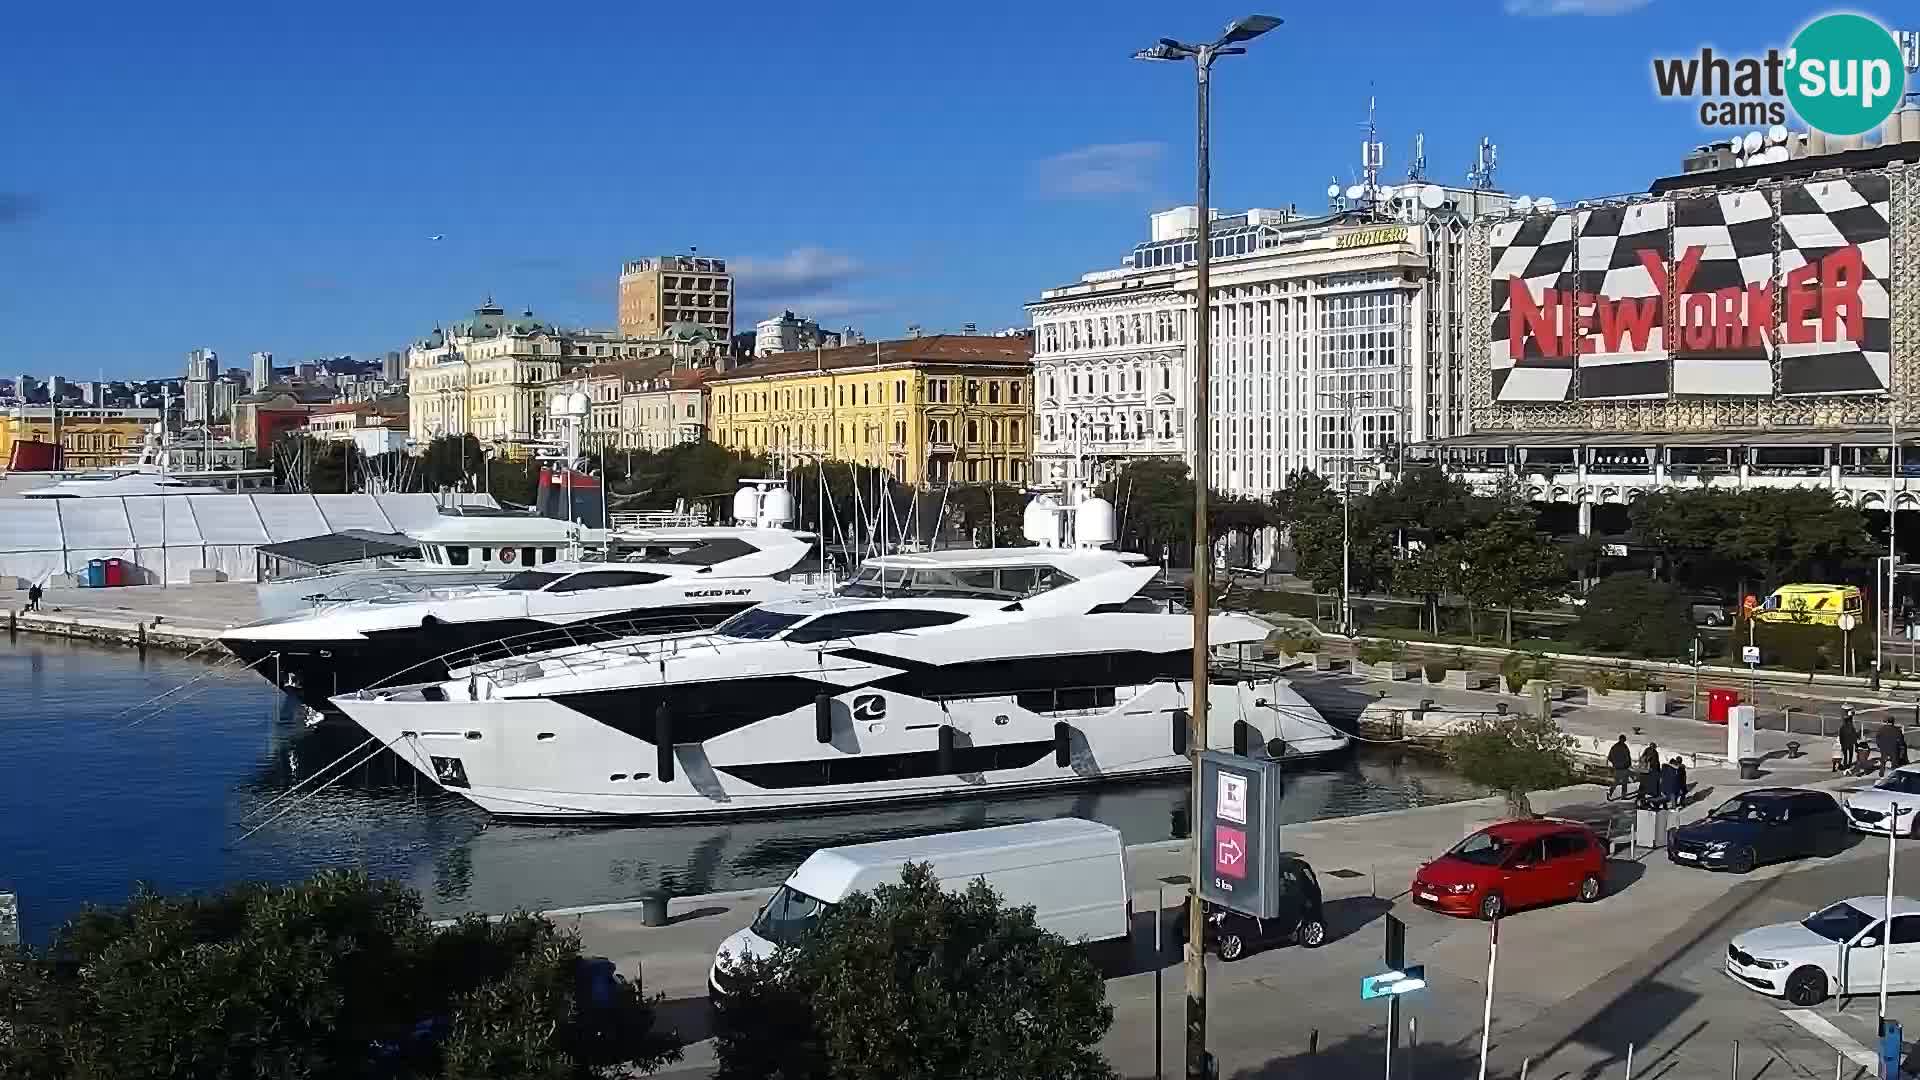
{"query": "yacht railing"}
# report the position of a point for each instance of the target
(551, 645)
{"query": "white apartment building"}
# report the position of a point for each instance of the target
(787, 332)
(262, 371)
(202, 364)
(1337, 339)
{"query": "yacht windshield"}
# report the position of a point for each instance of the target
(964, 582)
(757, 624)
(788, 915)
(529, 581)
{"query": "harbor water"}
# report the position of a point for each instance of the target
(101, 787)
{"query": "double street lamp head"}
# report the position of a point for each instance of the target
(1238, 32)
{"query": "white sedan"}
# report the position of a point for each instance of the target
(1871, 810)
(1804, 961)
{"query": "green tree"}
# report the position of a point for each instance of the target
(1515, 755)
(1153, 507)
(1634, 614)
(986, 514)
(1508, 563)
(916, 983)
(454, 461)
(305, 981)
(1427, 573)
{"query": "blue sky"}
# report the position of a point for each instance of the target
(244, 178)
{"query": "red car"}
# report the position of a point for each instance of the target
(1514, 864)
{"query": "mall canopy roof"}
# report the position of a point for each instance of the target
(1851, 436)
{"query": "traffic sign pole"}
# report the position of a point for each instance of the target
(1396, 957)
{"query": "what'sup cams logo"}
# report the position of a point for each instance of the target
(1843, 74)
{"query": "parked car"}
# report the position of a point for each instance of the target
(1761, 826)
(1514, 864)
(1708, 611)
(1802, 961)
(1232, 935)
(1870, 810)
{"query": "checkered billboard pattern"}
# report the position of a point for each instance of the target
(1835, 273)
(1627, 356)
(1532, 259)
(1758, 293)
(1720, 275)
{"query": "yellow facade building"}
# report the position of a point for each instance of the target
(88, 438)
(928, 409)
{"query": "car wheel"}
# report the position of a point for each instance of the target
(1742, 861)
(1590, 889)
(1313, 933)
(1492, 907)
(1232, 946)
(1807, 987)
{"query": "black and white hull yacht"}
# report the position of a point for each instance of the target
(949, 674)
(678, 579)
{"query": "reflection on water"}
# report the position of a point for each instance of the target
(94, 798)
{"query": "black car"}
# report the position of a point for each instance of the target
(1761, 826)
(1232, 935)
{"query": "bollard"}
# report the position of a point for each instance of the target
(1735, 1074)
(653, 908)
(1629, 1061)
(1313, 1043)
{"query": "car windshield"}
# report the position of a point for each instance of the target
(1841, 922)
(788, 915)
(757, 624)
(1907, 783)
(1768, 811)
(1483, 848)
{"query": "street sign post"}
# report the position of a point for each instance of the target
(1394, 983)
(1237, 830)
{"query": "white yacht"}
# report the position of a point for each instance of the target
(947, 674)
(676, 579)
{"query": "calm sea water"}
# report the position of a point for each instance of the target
(99, 791)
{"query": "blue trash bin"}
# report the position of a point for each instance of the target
(96, 573)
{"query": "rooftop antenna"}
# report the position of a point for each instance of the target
(1373, 155)
(1417, 168)
(1335, 201)
(1484, 164)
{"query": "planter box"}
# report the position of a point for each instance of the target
(1315, 661)
(1393, 670)
(206, 575)
(1463, 679)
(1532, 687)
(1653, 702)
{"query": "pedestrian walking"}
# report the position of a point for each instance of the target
(1620, 757)
(1890, 743)
(1650, 759)
(1849, 736)
(33, 597)
(1673, 783)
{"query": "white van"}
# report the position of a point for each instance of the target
(1071, 871)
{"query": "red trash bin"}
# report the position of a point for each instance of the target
(1719, 702)
(116, 572)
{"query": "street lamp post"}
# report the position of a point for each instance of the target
(1229, 43)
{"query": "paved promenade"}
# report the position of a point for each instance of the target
(1576, 983)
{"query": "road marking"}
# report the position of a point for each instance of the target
(1821, 1028)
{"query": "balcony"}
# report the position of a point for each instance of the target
(935, 446)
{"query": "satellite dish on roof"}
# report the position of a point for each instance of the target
(1384, 193)
(1751, 142)
(1774, 153)
(1543, 203)
(1432, 197)
(1356, 192)
(1777, 134)
(1333, 191)
(1523, 204)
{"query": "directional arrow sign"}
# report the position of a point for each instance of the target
(1229, 852)
(1393, 983)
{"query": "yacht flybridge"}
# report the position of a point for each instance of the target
(945, 674)
(675, 579)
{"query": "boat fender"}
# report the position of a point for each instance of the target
(1062, 744)
(946, 749)
(663, 743)
(822, 718)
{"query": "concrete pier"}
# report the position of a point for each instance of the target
(182, 618)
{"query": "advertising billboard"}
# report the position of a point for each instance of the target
(1762, 292)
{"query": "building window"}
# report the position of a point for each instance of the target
(1013, 431)
(973, 431)
(993, 392)
(1013, 392)
(900, 392)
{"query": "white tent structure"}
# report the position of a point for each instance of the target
(163, 537)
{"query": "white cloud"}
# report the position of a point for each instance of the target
(1574, 7)
(810, 281)
(1100, 169)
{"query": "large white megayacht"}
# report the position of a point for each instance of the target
(674, 579)
(944, 674)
